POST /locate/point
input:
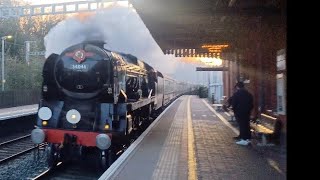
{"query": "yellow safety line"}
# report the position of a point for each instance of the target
(192, 162)
(275, 165)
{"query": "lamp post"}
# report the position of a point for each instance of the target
(27, 43)
(2, 62)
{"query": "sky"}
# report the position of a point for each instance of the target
(122, 31)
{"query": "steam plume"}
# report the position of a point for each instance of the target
(122, 30)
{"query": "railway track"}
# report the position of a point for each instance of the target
(15, 147)
(79, 171)
(76, 169)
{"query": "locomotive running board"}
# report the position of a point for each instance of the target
(140, 103)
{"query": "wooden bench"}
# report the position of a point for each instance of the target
(268, 128)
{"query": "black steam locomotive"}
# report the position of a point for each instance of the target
(94, 100)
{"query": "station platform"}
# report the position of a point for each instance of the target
(19, 111)
(191, 140)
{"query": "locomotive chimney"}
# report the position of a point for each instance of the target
(98, 43)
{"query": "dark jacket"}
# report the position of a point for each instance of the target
(242, 102)
(229, 102)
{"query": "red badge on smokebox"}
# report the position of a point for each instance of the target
(79, 55)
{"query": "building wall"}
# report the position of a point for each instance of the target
(230, 76)
(257, 59)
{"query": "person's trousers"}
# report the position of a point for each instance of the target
(244, 127)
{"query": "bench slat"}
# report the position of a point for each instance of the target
(261, 129)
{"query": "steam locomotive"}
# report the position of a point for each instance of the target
(94, 101)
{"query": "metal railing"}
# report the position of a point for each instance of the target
(14, 98)
(55, 8)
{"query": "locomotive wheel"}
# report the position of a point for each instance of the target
(106, 159)
(52, 156)
(147, 121)
(103, 163)
(111, 157)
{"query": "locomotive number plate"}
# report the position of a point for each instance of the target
(79, 67)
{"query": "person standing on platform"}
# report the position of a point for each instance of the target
(242, 105)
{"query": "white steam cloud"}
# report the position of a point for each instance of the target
(122, 30)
